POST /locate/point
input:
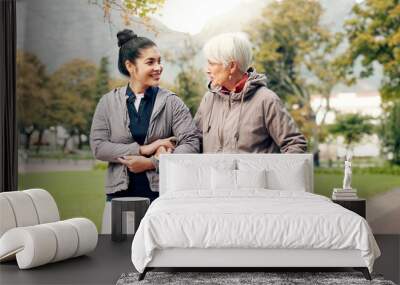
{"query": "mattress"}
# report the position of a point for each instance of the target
(250, 219)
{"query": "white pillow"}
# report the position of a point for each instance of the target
(223, 179)
(228, 179)
(281, 174)
(251, 178)
(293, 180)
(184, 176)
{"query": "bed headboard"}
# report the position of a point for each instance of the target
(285, 164)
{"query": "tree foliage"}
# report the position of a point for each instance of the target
(74, 86)
(373, 34)
(390, 132)
(102, 79)
(190, 81)
(129, 9)
(33, 97)
(352, 127)
(296, 53)
(66, 98)
(189, 85)
(293, 48)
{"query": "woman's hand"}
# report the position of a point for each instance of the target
(150, 149)
(162, 149)
(136, 164)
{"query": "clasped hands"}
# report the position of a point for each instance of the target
(142, 162)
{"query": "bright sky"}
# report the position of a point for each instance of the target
(190, 16)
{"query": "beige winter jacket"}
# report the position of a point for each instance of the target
(252, 121)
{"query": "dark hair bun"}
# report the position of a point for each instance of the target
(125, 36)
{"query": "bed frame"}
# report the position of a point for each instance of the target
(242, 259)
(245, 258)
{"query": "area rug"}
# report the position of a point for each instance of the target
(243, 278)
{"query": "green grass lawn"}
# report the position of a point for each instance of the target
(77, 193)
(81, 193)
(367, 185)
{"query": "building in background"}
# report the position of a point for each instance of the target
(364, 103)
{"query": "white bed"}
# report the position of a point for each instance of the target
(247, 210)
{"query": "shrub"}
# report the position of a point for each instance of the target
(100, 165)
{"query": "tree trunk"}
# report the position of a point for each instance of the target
(315, 135)
(315, 132)
(28, 139)
(80, 144)
(39, 143)
(65, 145)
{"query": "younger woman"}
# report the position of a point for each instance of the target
(133, 124)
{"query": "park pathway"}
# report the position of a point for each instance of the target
(383, 212)
(46, 165)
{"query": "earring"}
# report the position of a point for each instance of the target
(230, 76)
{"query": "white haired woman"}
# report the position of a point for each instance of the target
(239, 114)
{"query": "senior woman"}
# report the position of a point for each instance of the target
(239, 114)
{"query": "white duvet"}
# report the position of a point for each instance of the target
(253, 218)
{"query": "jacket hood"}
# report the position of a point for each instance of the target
(253, 83)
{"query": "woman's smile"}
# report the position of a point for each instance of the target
(156, 76)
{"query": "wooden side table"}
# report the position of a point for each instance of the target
(357, 205)
(118, 206)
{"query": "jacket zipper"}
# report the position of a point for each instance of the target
(152, 123)
(221, 148)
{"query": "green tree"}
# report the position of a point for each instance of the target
(117, 82)
(33, 98)
(190, 82)
(74, 86)
(353, 127)
(189, 85)
(102, 85)
(129, 9)
(390, 132)
(102, 79)
(296, 53)
(373, 34)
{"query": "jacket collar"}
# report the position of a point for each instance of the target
(254, 81)
(150, 91)
(159, 104)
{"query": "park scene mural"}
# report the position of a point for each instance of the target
(334, 64)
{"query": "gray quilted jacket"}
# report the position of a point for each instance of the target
(111, 138)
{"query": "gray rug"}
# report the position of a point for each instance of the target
(242, 278)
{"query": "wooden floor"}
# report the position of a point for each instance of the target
(103, 266)
(111, 259)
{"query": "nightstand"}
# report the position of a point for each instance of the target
(357, 205)
(138, 205)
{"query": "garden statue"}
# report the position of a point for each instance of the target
(347, 172)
